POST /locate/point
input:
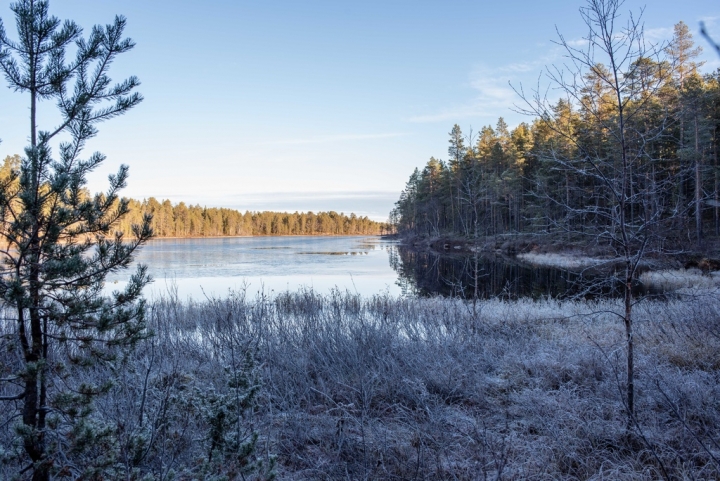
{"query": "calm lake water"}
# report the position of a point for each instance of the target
(424, 273)
(211, 267)
(202, 268)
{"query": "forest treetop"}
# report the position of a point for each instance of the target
(508, 181)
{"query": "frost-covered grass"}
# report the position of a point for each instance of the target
(395, 388)
(664, 280)
(671, 280)
(562, 261)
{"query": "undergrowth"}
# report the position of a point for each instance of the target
(308, 386)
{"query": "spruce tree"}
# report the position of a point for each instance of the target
(58, 244)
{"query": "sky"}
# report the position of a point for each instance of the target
(317, 104)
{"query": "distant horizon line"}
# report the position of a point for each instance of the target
(286, 212)
(376, 205)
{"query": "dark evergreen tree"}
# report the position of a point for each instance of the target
(58, 243)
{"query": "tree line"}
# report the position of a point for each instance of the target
(552, 174)
(182, 220)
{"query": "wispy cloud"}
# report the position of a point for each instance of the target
(493, 92)
(652, 35)
(659, 34)
(326, 139)
(579, 43)
(315, 195)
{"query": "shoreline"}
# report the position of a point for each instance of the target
(253, 236)
(538, 249)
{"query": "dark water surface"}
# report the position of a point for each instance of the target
(365, 265)
(424, 273)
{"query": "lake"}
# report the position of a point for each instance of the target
(428, 273)
(210, 267)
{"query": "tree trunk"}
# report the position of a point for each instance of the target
(716, 194)
(698, 187)
(630, 344)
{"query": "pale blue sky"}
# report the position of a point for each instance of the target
(316, 105)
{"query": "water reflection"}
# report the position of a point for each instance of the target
(424, 273)
(352, 253)
(366, 265)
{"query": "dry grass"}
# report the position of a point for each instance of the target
(387, 388)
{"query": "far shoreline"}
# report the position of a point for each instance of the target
(270, 235)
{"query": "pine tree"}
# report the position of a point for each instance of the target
(58, 243)
(456, 152)
(682, 53)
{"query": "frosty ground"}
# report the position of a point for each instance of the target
(353, 387)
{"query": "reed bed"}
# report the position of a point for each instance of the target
(387, 388)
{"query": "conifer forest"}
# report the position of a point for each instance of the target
(646, 125)
(181, 220)
(613, 181)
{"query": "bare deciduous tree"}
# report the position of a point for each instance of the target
(613, 82)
